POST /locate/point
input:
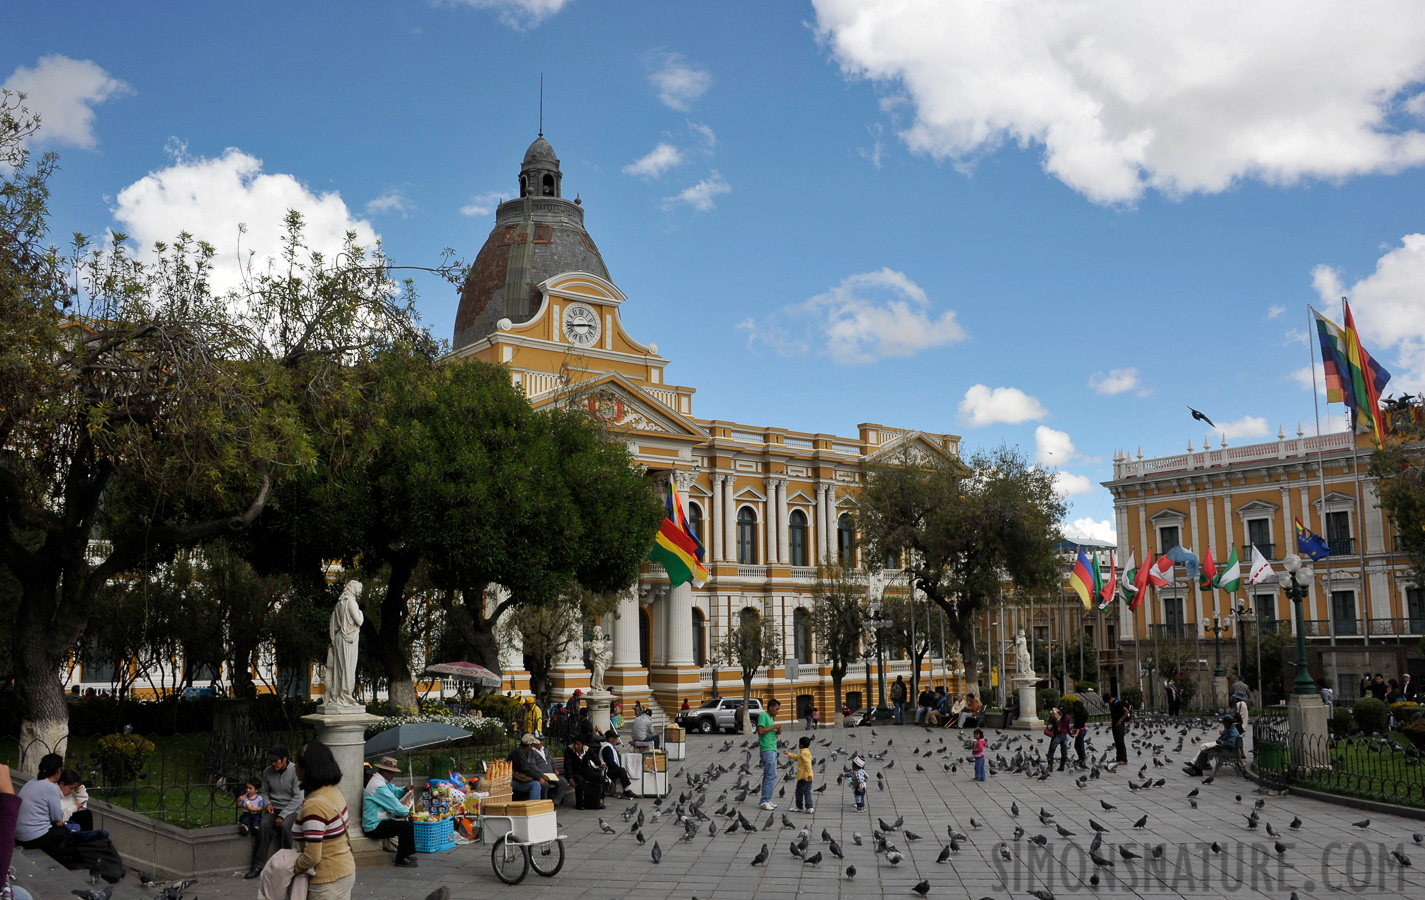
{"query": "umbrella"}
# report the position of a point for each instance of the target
(413, 736)
(467, 671)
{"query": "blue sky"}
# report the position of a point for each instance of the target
(1053, 226)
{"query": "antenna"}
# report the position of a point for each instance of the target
(541, 104)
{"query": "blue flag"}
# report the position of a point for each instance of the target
(1186, 557)
(1308, 543)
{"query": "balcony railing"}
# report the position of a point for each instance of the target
(751, 571)
(1397, 627)
(1268, 550)
(1180, 632)
(1342, 546)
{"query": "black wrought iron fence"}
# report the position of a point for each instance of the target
(1374, 767)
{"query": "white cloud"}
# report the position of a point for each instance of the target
(63, 92)
(1389, 308)
(1303, 377)
(867, 317)
(211, 198)
(700, 196)
(1295, 336)
(1275, 310)
(706, 133)
(520, 15)
(1245, 427)
(482, 204)
(878, 146)
(1053, 448)
(1089, 528)
(392, 200)
(1068, 485)
(988, 406)
(677, 81)
(1122, 98)
(659, 160)
(1116, 381)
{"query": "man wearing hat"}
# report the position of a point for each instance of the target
(284, 800)
(526, 781)
(583, 771)
(1228, 739)
(613, 765)
(554, 786)
(386, 812)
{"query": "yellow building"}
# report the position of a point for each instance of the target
(1362, 613)
(768, 503)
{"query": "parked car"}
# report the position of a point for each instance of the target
(719, 712)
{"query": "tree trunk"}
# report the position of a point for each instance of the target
(386, 640)
(38, 654)
(743, 712)
(970, 653)
(836, 679)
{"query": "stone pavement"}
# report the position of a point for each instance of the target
(1325, 857)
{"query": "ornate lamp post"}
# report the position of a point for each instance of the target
(1296, 580)
(877, 623)
(1215, 626)
(1148, 668)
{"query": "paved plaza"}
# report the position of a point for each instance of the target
(1326, 856)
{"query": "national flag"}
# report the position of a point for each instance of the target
(676, 548)
(1308, 543)
(1160, 573)
(1126, 587)
(1141, 580)
(1207, 571)
(1097, 574)
(1261, 569)
(1081, 579)
(1185, 556)
(1229, 577)
(1108, 586)
(1352, 376)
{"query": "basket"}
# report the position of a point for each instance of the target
(433, 837)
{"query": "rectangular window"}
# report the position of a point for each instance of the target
(1343, 611)
(1173, 622)
(1259, 535)
(1112, 636)
(1415, 609)
(96, 666)
(1338, 532)
(1167, 538)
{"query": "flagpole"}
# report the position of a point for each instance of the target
(1321, 471)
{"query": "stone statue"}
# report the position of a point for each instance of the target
(601, 653)
(340, 678)
(1023, 662)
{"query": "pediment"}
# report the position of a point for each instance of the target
(1257, 508)
(748, 493)
(801, 497)
(917, 448)
(1169, 516)
(1335, 500)
(623, 406)
(582, 286)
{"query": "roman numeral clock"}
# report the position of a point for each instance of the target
(581, 325)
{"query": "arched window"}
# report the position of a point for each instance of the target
(801, 620)
(797, 535)
(747, 536)
(893, 560)
(750, 614)
(846, 540)
(700, 654)
(695, 522)
(549, 185)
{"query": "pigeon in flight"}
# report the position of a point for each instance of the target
(1200, 417)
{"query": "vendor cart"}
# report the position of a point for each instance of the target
(521, 842)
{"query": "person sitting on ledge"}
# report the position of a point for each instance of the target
(585, 773)
(526, 781)
(41, 826)
(643, 736)
(386, 812)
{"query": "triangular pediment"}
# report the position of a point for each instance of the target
(623, 406)
(1257, 508)
(801, 497)
(748, 493)
(1170, 516)
(918, 447)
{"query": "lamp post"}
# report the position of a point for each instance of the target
(1149, 667)
(1243, 614)
(1296, 580)
(877, 623)
(1215, 626)
(715, 663)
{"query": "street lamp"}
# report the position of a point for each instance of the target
(877, 623)
(1149, 667)
(1295, 580)
(1243, 614)
(715, 663)
(1215, 626)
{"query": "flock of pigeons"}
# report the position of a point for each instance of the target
(1010, 755)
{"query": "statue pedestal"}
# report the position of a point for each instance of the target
(599, 703)
(344, 733)
(1028, 706)
(1219, 692)
(1306, 717)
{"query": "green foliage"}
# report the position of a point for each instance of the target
(1082, 686)
(1132, 695)
(1370, 715)
(753, 645)
(1048, 698)
(1400, 481)
(1274, 642)
(122, 757)
(1415, 733)
(1081, 655)
(1404, 710)
(1342, 723)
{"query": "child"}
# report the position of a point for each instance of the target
(250, 804)
(980, 755)
(803, 757)
(860, 781)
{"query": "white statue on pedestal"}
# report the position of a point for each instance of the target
(601, 654)
(339, 694)
(1023, 662)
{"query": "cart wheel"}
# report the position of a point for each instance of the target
(511, 862)
(547, 858)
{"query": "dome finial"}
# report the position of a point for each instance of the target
(541, 104)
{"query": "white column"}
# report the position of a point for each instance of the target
(626, 649)
(769, 521)
(680, 625)
(729, 518)
(821, 527)
(833, 525)
(714, 519)
(784, 542)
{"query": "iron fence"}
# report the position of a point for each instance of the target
(1373, 767)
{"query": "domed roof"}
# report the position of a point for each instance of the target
(540, 152)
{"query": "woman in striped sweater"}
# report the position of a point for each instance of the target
(321, 828)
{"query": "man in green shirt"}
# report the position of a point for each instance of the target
(767, 733)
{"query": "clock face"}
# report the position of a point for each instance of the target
(581, 325)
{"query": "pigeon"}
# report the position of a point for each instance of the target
(1279, 847)
(884, 826)
(1018, 832)
(825, 836)
(1097, 827)
(911, 835)
(856, 836)
(1063, 832)
(1128, 854)
(761, 857)
(894, 857)
(639, 835)
(1042, 894)
(1109, 807)
(1418, 838)
(605, 827)
(657, 853)
(1013, 808)
(850, 872)
(443, 893)
(973, 823)
(1200, 417)
(105, 894)
(1400, 857)
(922, 889)
(1004, 853)
(1100, 861)
(944, 854)
(1039, 839)
(1141, 822)
(1158, 852)
(1296, 823)
(835, 849)
(1363, 824)
(813, 860)
(771, 820)
(1216, 847)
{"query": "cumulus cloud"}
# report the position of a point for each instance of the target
(391, 200)
(1389, 308)
(1116, 381)
(984, 405)
(1069, 485)
(482, 204)
(677, 81)
(1053, 448)
(520, 15)
(1120, 99)
(63, 92)
(1303, 377)
(701, 195)
(1245, 427)
(1275, 310)
(658, 160)
(867, 317)
(1089, 528)
(709, 137)
(211, 198)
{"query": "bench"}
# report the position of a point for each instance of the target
(1230, 756)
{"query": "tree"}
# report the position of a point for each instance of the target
(908, 634)
(137, 406)
(545, 631)
(838, 617)
(962, 528)
(1398, 467)
(751, 646)
(1080, 654)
